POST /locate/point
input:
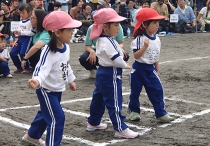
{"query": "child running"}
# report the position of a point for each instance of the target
(50, 76)
(4, 58)
(108, 82)
(145, 70)
(24, 34)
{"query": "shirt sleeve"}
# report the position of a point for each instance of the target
(71, 76)
(44, 37)
(120, 36)
(44, 65)
(88, 42)
(135, 45)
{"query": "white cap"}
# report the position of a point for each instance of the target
(101, 2)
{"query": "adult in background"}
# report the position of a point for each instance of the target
(65, 5)
(14, 8)
(186, 18)
(132, 10)
(40, 39)
(75, 11)
(204, 17)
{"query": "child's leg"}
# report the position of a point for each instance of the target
(154, 91)
(97, 108)
(14, 55)
(25, 46)
(110, 86)
(50, 116)
(4, 68)
(136, 87)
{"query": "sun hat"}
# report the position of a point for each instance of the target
(103, 16)
(146, 14)
(101, 2)
(59, 20)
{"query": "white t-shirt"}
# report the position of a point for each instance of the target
(4, 54)
(109, 53)
(203, 11)
(25, 28)
(53, 70)
(152, 54)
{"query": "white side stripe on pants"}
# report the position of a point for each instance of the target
(52, 129)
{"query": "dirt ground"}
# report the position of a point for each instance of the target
(185, 75)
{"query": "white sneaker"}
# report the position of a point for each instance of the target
(92, 74)
(127, 133)
(101, 126)
(36, 142)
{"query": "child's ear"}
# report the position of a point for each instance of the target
(105, 27)
(57, 33)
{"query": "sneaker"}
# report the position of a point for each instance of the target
(127, 133)
(134, 116)
(36, 142)
(101, 126)
(26, 71)
(165, 119)
(19, 70)
(9, 76)
(92, 74)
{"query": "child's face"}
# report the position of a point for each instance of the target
(2, 44)
(65, 35)
(145, 5)
(112, 29)
(24, 14)
(152, 27)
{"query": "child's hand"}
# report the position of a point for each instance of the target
(73, 86)
(146, 42)
(33, 83)
(128, 66)
(17, 32)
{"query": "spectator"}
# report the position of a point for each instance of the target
(132, 10)
(101, 4)
(7, 17)
(33, 4)
(65, 5)
(204, 17)
(14, 8)
(123, 10)
(57, 6)
(75, 11)
(40, 39)
(108, 5)
(94, 4)
(85, 17)
(170, 6)
(162, 10)
(186, 17)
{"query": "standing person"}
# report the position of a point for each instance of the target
(4, 58)
(40, 39)
(50, 77)
(108, 91)
(204, 17)
(14, 8)
(145, 70)
(24, 34)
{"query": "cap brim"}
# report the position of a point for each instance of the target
(73, 24)
(117, 19)
(157, 18)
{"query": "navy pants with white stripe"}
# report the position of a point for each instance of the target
(51, 116)
(146, 75)
(23, 45)
(4, 68)
(108, 93)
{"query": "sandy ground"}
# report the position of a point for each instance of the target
(185, 75)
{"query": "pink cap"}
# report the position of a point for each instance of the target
(103, 16)
(59, 20)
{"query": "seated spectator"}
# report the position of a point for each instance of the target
(204, 17)
(162, 10)
(65, 5)
(85, 18)
(33, 4)
(101, 4)
(94, 4)
(108, 5)
(14, 8)
(75, 11)
(57, 6)
(186, 18)
(7, 17)
(4, 58)
(170, 6)
(144, 4)
(132, 10)
(123, 10)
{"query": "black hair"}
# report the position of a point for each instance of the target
(127, 1)
(40, 15)
(26, 7)
(85, 5)
(53, 40)
(3, 37)
(57, 4)
(79, 1)
(141, 30)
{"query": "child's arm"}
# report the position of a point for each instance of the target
(71, 79)
(3, 59)
(141, 51)
(157, 68)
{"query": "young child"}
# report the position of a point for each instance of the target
(4, 58)
(145, 70)
(51, 74)
(24, 34)
(108, 82)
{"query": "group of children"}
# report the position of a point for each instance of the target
(53, 72)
